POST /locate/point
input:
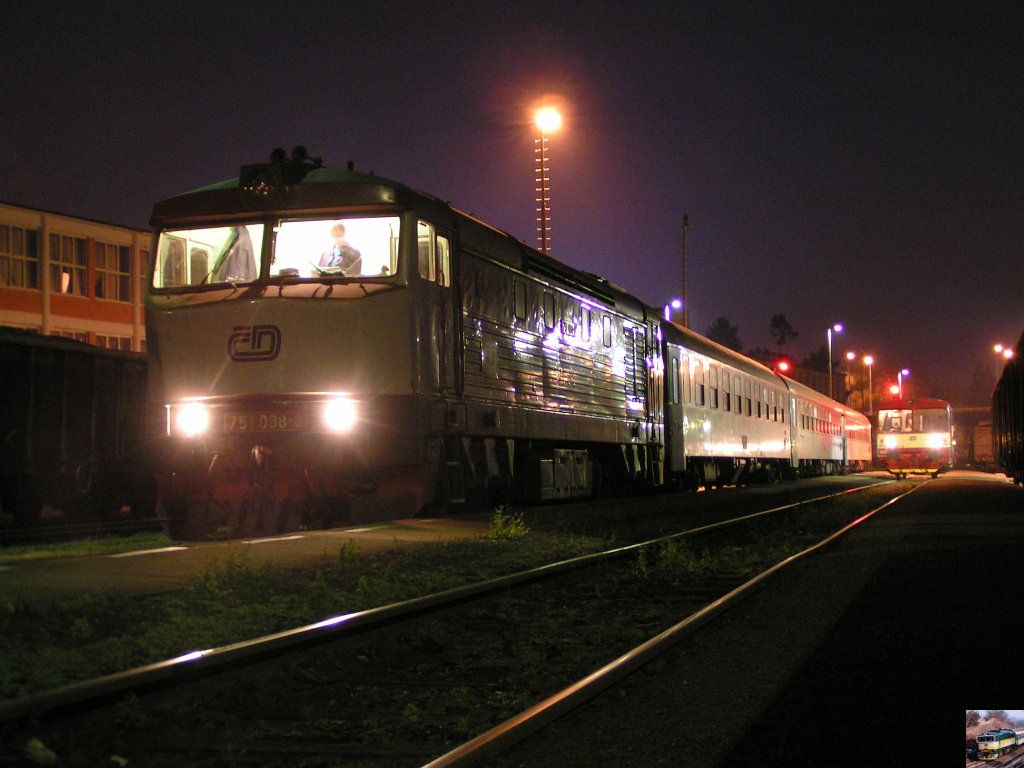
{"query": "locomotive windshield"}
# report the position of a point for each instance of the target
(338, 247)
(924, 420)
(344, 247)
(194, 257)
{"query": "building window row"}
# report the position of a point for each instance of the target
(113, 265)
(69, 264)
(19, 257)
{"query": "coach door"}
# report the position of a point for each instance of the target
(678, 367)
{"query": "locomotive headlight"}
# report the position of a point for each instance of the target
(339, 414)
(937, 440)
(890, 441)
(192, 419)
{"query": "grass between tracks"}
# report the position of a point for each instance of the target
(81, 547)
(44, 645)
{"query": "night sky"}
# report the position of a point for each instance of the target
(856, 165)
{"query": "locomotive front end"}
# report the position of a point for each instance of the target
(282, 375)
(915, 437)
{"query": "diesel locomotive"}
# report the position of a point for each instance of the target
(328, 345)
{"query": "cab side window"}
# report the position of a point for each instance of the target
(425, 249)
(444, 262)
(433, 255)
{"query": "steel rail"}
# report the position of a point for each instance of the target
(199, 664)
(518, 727)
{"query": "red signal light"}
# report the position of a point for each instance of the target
(783, 366)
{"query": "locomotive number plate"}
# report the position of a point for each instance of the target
(264, 421)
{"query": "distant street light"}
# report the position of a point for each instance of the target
(838, 328)
(675, 303)
(869, 361)
(1005, 352)
(899, 379)
(548, 120)
(686, 305)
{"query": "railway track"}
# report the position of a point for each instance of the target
(474, 648)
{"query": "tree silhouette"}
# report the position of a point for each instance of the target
(817, 360)
(781, 330)
(725, 333)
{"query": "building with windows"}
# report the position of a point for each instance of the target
(62, 275)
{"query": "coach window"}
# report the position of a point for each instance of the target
(569, 318)
(549, 310)
(698, 377)
(687, 382)
(750, 405)
(585, 330)
(425, 249)
(675, 380)
(520, 299)
(606, 330)
(727, 390)
(713, 384)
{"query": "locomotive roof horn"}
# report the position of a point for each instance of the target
(265, 181)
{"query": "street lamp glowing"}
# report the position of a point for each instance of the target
(783, 366)
(851, 355)
(998, 349)
(1007, 353)
(676, 303)
(894, 389)
(899, 378)
(838, 328)
(869, 361)
(547, 119)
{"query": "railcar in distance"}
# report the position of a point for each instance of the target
(915, 436)
(1008, 417)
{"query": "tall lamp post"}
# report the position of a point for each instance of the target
(548, 120)
(686, 304)
(673, 304)
(838, 328)
(899, 379)
(869, 361)
(848, 376)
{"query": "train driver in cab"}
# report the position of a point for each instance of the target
(341, 254)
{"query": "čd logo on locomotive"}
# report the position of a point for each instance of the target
(254, 343)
